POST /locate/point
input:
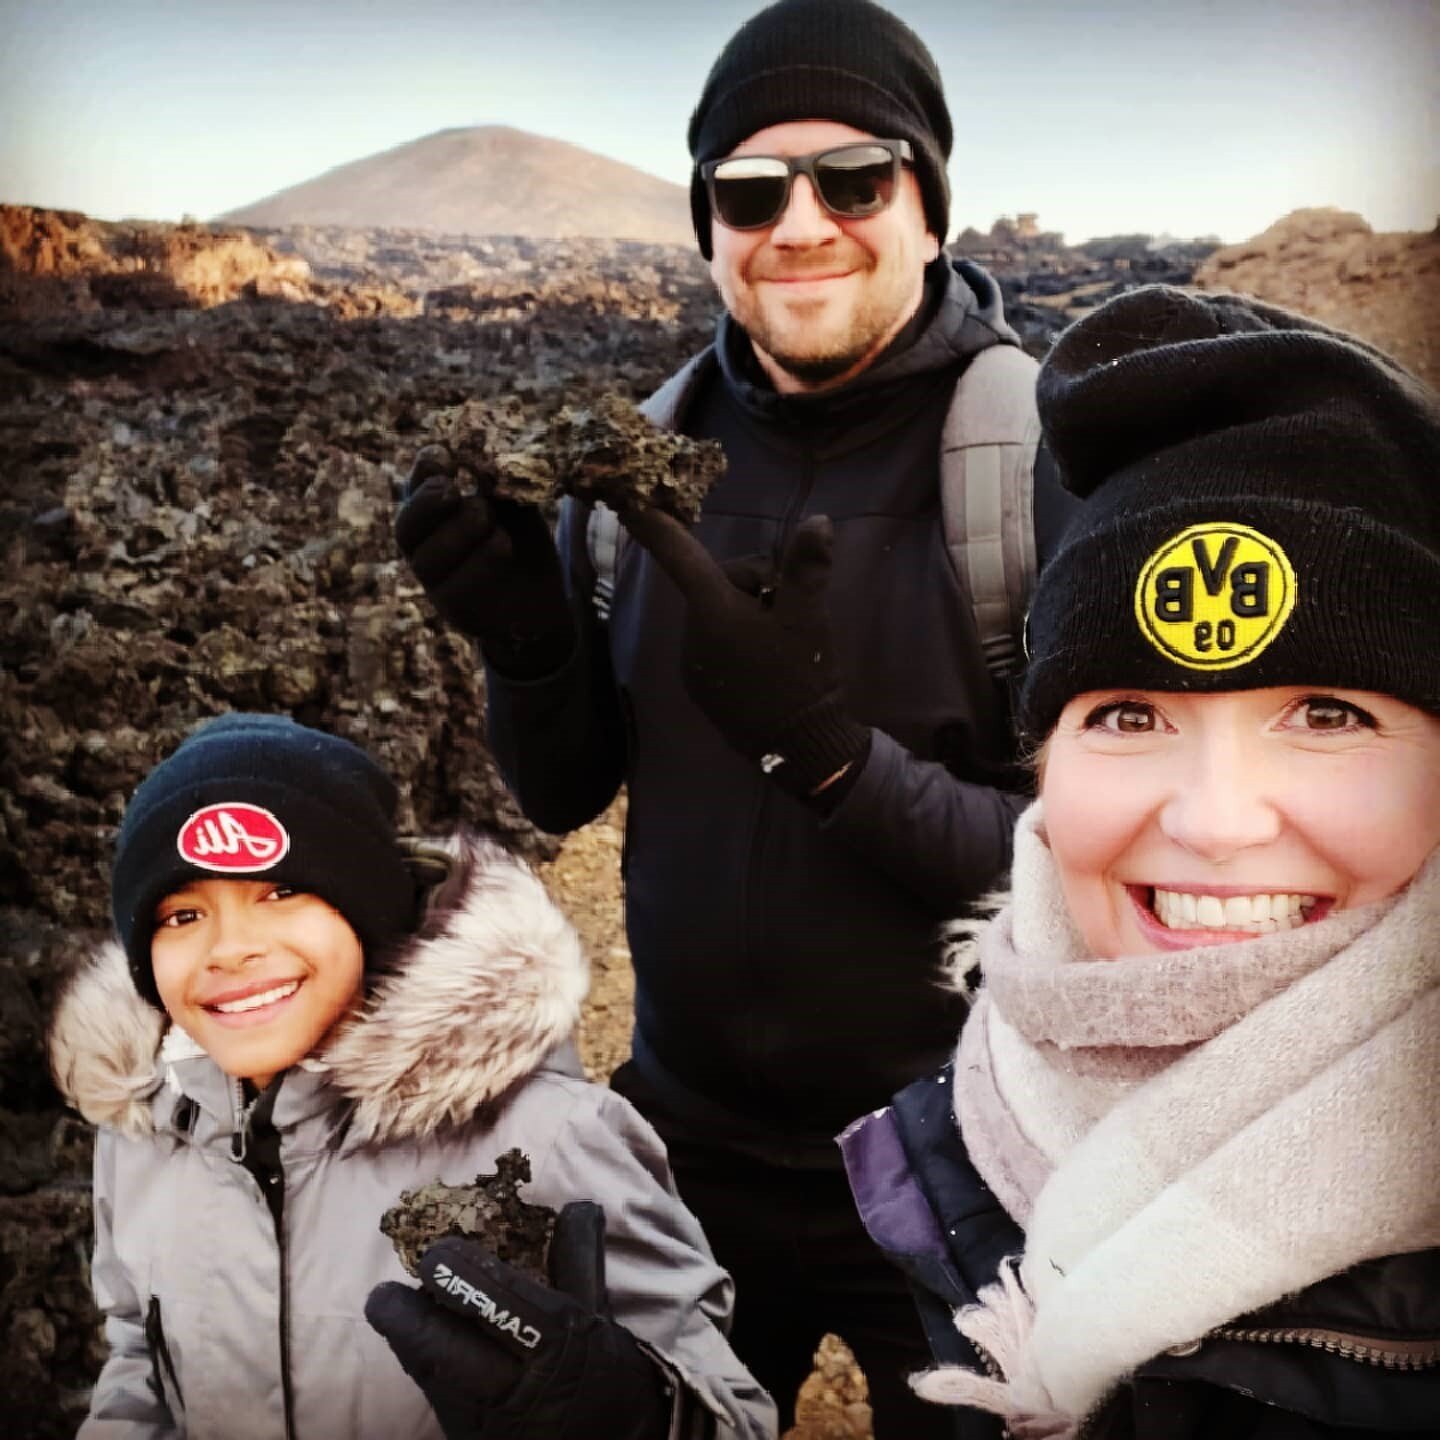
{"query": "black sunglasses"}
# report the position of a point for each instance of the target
(748, 192)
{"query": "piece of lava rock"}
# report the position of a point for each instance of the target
(602, 449)
(490, 1210)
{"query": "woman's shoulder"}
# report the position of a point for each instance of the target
(920, 1195)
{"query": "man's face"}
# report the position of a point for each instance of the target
(821, 296)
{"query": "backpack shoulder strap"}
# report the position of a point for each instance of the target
(605, 536)
(987, 496)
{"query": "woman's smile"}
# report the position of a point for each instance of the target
(1184, 917)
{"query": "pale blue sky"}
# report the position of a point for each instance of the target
(1190, 116)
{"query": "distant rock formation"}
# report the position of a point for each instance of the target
(54, 260)
(1331, 265)
(487, 180)
(1047, 283)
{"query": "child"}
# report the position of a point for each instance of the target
(1180, 1180)
(302, 1019)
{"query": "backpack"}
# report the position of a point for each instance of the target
(987, 497)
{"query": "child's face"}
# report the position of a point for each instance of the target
(1182, 820)
(255, 973)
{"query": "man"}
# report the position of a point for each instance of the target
(815, 753)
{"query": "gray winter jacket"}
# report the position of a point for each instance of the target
(217, 1328)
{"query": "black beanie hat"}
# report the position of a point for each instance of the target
(254, 797)
(1262, 508)
(843, 60)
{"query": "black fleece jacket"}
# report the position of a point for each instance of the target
(785, 958)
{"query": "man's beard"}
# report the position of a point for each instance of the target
(811, 360)
(815, 369)
(812, 363)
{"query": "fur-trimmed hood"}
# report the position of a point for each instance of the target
(488, 987)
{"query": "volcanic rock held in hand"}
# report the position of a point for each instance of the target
(604, 450)
(490, 1211)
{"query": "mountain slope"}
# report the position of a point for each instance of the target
(487, 180)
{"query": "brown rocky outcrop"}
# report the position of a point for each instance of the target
(1331, 265)
(1048, 283)
(55, 260)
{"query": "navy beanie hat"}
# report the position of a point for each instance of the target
(845, 60)
(260, 797)
(1262, 508)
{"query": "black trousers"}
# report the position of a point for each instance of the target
(803, 1266)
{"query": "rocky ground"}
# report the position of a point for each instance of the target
(202, 438)
(1047, 283)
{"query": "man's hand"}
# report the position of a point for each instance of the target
(489, 567)
(757, 656)
(502, 1357)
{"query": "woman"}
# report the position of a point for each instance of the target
(1183, 1176)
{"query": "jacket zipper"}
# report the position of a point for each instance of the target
(1397, 1355)
(160, 1359)
(287, 1389)
(240, 1113)
(754, 917)
(993, 1371)
(788, 524)
(1401, 1355)
(239, 1152)
(796, 507)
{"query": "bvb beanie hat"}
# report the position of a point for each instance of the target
(843, 60)
(259, 797)
(1262, 508)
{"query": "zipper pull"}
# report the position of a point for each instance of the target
(240, 1136)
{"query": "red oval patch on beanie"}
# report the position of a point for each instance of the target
(234, 838)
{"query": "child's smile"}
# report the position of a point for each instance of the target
(252, 1004)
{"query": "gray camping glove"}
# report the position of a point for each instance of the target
(489, 566)
(757, 652)
(502, 1357)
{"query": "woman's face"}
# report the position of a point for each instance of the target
(1181, 820)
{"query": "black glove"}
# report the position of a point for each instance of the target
(501, 1357)
(757, 654)
(489, 567)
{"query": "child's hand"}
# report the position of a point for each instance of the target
(501, 1357)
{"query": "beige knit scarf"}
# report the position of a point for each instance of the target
(1186, 1137)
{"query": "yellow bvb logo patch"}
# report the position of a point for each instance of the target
(1214, 596)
